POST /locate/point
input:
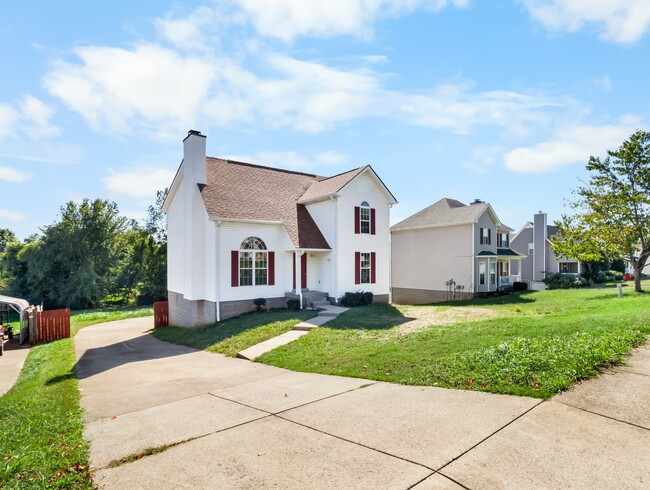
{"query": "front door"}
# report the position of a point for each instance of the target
(303, 270)
(482, 275)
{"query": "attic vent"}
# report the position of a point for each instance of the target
(478, 201)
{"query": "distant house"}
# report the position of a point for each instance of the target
(450, 250)
(237, 232)
(533, 241)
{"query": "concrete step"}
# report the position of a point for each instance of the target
(321, 304)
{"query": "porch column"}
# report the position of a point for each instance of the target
(298, 263)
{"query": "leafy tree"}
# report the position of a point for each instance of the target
(76, 261)
(612, 217)
(156, 222)
(6, 236)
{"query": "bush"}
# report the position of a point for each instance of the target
(360, 298)
(519, 286)
(293, 304)
(259, 303)
(564, 281)
(608, 276)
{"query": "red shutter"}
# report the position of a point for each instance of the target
(271, 268)
(498, 239)
(372, 221)
(489, 242)
(480, 234)
(234, 268)
(508, 241)
(373, 259)
(357, 267)
(357, 220)
(293, 261)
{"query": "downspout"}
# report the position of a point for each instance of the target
(298, 260)
(336, 249)
(218, 269)
(390, 259)
(473, 284)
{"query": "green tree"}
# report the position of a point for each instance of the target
(612, 217)
(6, 236)
(76, 262)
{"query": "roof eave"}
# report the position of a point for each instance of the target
(423, 227)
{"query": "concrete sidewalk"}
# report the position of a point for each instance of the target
(229, 423)
(11, 363)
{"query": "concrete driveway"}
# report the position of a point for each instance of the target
(229, 423)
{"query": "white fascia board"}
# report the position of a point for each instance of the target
(525, 227)
(324, 197)
(239, 220)
(382, 186)
(311, 250)
(176, 183)
(424, 227)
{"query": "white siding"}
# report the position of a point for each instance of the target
(175, 242)
(321, 270)
(427, 258)
(275, 237)
(363, 188)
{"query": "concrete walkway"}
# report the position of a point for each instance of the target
(228, 423)
(326, 314)
(11, 363)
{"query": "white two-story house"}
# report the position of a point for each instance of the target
(238, 231)
(450, 250)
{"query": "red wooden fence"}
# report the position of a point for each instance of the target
(53, 325)
(160, 314)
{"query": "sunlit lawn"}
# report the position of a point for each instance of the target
(532, 343)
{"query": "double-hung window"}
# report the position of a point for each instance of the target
(364, 219)
(252, 264)
(365, 267)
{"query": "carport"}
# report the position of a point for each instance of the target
(21, 307)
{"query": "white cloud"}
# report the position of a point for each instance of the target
(570, 145)
(8, 120)
(288, 19)
(620, 21)
(291, 159)
(188, 32)
(483, 159)
(150, 88)
(13, 175)
(12, 215)
(139, 182)
(604, 82)
(29, 116)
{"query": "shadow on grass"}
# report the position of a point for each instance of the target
(373, 317)
(524, 297)
(207, 335)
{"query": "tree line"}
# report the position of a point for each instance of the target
(90, 256)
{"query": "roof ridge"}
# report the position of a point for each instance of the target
(266, 167)
(343, 173)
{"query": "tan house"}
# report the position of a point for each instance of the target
(450, 250)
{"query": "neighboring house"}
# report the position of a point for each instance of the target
(237, 232)
(450, 250)
(533, 240)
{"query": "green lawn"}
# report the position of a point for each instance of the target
(235, 334)
(41, 423)
(534, 343)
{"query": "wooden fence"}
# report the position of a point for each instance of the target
(160, 314)
(53, 325)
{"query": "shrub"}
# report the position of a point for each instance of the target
(293, 304)
(564, 281)
(519, 286)
(359, 298)
(259, 303)
(608, 276)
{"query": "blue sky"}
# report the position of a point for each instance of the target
(503, 100)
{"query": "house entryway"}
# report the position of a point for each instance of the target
(303, 271)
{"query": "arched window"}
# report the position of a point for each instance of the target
(253, 263)
(253, 243)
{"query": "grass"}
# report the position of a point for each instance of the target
(235, 334)
(41, 422)
(534, 343)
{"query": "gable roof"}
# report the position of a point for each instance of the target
(331, 185)
(444, 212)
(242, 191)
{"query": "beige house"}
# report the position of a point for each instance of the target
(450, 250)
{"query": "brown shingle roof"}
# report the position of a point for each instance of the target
(444, 212)
(331, 185)
(238, 190)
